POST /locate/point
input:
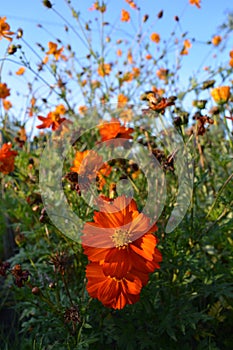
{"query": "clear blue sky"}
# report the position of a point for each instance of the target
(199, 23)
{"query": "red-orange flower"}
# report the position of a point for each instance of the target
(5, 29)
(4, 91)
(125, 16)
(114, 129)
(195, 2)
(122, 251)
(7, 158)
(53, 119)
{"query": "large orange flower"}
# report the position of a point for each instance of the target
(113, 130)
(7, 158)
(122, 250)
(5, 29)
(4, 91)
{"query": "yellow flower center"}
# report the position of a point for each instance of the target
(121, 238)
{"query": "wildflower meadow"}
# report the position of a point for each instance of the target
(116, 168)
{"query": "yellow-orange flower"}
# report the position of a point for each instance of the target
(5, 29)
(132, 4)
(122, 100)
(216, 40)
(20, 71)
(119, 52)
(82, 109)
(130, 57)
(4, 91)
(195, 2)
(7, 158)
(231, 58)
(185, 48)
(122, 252)
(89, 164)
(221, 94)
(6, 104)
(155, 38)
(60, 109)
(53, 50)
(162, 73)
(104, 69)
(125, 16)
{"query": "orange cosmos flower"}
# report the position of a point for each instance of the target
(148, 57)
(125, 16)
(7, 104)
(5, 29)
(20, 71)
(53, 119)
(162, 73)
(155, 38)
(195, 2)
(7, 158)
(114, 129)
(231, 58)
(60, 109)
(122, 100)
(216, 40)
(82, 109)
(53, 50)
(130, 57)
(104, 69)
(132, 4)
(4, 91)
(90, 166)
(186, 46)
(122, 251)
(221, 94)
(119, 52)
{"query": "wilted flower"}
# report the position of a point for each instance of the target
(20, 276)
(4, 91)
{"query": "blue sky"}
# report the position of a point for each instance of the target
(199, 23)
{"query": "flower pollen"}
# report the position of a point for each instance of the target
(121, 238)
